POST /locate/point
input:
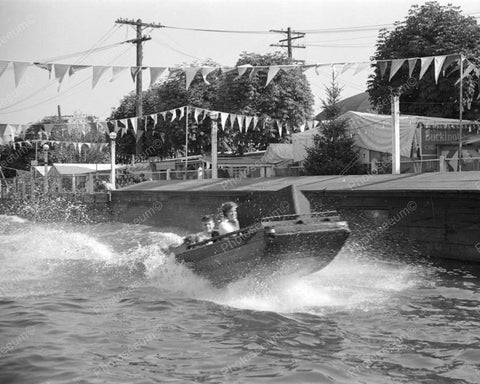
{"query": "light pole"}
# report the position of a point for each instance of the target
(112, 136)
(45, 164)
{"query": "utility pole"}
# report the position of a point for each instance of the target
(138, 41)
(289, 46)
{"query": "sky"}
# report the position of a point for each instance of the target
(46, 30)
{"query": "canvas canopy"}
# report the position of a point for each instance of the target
(63, 169)
(374, 132)
(278, 153)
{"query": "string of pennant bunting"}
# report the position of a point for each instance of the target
(8, 132)
(60, 71)
(78, 145)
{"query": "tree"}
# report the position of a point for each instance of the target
(286, 98)
(65, 151)
(332, 152)
(429, 30)
(168, 138)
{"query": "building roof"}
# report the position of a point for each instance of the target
(357, 103)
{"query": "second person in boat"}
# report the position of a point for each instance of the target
(229, 223)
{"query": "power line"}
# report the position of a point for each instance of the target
(289, 46)
(61, 93)
(216, 30)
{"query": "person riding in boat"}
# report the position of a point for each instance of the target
(208, 225)
(229, 222)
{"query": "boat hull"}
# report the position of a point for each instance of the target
(289, 249)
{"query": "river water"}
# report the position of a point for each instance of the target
(76, 306)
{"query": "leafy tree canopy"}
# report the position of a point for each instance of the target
(287, 98)
(428, 30)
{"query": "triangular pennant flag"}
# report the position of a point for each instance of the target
(396, 64)
(75, 68)
(254, 72)
(425, 63)
(255, 122)
(47, 67)
(155, 119)
(60, 71)
(164, 115)
(124, 123)
(280, 128)
(182, 112)
(139, 135)
(411, 66)
(98, 71)
(242, 69)
(206, 71)
(337, 68)
(272, 71)
(449, 61)
(232, 117)
(240, 122)
(227, 69)
(155, 73)
(438, 64)
(467, 71)
(248, 120)
(223, 119)
(196, 112)
(320, 66)
(3, 66)
(190, 73)
(9, 134)
(116, 72)
(302, 127)
(19, 69)
(21, 130)
(134, 71)
(133, 121)
(347, 66)
(48, 129)
(174, 114)
(116, 128)
(382, 65)
(102, 127)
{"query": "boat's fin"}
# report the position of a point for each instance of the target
(300, 202)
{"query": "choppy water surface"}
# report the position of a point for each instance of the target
(77, 307)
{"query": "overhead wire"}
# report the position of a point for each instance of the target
(53, 81)
(105, 36)
(62, 93)
(99, 49)
(175, 49)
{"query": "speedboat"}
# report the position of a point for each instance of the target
(298, 244)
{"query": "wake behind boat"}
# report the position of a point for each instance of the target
(298, 244)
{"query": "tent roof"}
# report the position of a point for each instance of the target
(359, 103)
(374, 132)
(80, 168)
(277, 153)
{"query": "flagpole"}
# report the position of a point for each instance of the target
(460, 116)
(186, 143)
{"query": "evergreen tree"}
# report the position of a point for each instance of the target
(332, 152)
